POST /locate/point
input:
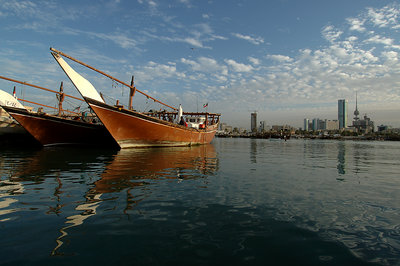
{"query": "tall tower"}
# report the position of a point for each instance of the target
(356, 112)
(254, 122)
(342, 113)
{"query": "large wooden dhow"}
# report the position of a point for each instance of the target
(62, 128)
(132, 129)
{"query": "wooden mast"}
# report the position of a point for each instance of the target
(132, 90)
(109, 76)
(61, 99)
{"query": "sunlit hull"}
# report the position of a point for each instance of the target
(52, 130)
(131, 129)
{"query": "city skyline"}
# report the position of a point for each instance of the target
(286, 59)
(343, 119)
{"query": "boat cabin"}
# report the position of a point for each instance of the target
(197, 122)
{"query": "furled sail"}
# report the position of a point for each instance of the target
(180, 113)
(85, 88)
(7, 99)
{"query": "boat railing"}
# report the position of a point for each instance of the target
(60, 97)
(208, 118)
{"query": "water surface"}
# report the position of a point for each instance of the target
(235, 201)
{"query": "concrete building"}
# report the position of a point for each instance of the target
(331, 124)
(383, 128)
(223, 126)
(262, 127)
(253, 122)
(342, 113)
(316, 124)
(229, 129)
(364, 125)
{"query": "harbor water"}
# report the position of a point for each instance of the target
(234, 202)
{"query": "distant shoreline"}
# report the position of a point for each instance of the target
(391, 137)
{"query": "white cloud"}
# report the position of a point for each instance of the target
(205, 64)
(253, 40)
(377, 39)
(238, 67)
(194, 42)
(385, 16)
(186, 3)
(162, 70)
(356, 24)
(280, 58)
(23, 8)
(254, 61)
(331, 34)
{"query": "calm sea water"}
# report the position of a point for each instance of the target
(234, 202)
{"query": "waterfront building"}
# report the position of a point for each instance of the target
(310, 125)
(342, 113)
(228, 129)
(306, 124)
(253, 122)
(223, 126)
(321, 124)
(318, 124)
(283, 128)
(362, 125)
(383, 128)
(331, 124)
(262, 127)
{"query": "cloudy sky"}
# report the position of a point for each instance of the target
(285, 59)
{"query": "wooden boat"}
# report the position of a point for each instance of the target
(11, 132)
(52, 130)
(132, 129)
(60, 128)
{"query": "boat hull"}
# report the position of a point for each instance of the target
(53, 130)
(131, 129)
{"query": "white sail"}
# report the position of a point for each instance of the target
(7, 99)
(85, 88)
(180, 112)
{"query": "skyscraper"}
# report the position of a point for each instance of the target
(342, 113)
(306, 122)
(254, 122)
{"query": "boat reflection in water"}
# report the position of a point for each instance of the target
(132, 169)
(131, 165)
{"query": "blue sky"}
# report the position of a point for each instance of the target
(287, 59)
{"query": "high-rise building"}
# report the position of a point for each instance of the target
(306, 123)
(315, 124)
(262, 126)
(342, 113)
(254, 122)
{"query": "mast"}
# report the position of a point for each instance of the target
(109, 76)
(61, 99)
(132, 90)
